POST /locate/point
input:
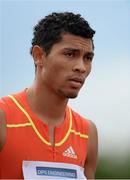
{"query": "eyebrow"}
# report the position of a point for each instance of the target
(74, 49)
(90, 54)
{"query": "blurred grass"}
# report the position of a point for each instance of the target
(113, 168)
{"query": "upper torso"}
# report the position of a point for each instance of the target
(27, 138)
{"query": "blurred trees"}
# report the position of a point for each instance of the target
(113, 168)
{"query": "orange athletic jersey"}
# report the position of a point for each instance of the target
(28, 138)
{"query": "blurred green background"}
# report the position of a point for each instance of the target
(113, 167)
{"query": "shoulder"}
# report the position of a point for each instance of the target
(83, 121)
(2, 129)
(92, 141)
(92, 129)
(5, 106)
(79, 119)
(80, 123)
(6, 112)
(7, 103)
(4, 109)
(92, 151)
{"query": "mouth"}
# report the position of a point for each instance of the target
(76, 82)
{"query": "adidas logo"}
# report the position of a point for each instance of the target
(69, 152)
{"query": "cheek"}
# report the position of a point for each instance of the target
(55, 73)
(60, 69)
(88, 70)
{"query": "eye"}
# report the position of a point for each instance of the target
(88, 58)
(69, 54)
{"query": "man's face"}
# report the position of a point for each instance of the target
(67, 65)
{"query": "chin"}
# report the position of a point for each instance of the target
(72, 96)
(68, 94)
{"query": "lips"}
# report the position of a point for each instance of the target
(76, 82)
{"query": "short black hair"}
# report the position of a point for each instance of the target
(50, 29)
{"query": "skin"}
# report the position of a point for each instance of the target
(60, 76)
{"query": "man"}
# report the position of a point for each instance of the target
(40, 136)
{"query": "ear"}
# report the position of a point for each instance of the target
(38, 54)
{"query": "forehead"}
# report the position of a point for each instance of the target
(76, 42)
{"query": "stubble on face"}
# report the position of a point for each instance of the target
(66, 94)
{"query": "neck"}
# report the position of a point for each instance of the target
(46, 105)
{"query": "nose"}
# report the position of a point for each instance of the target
(80, 66)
